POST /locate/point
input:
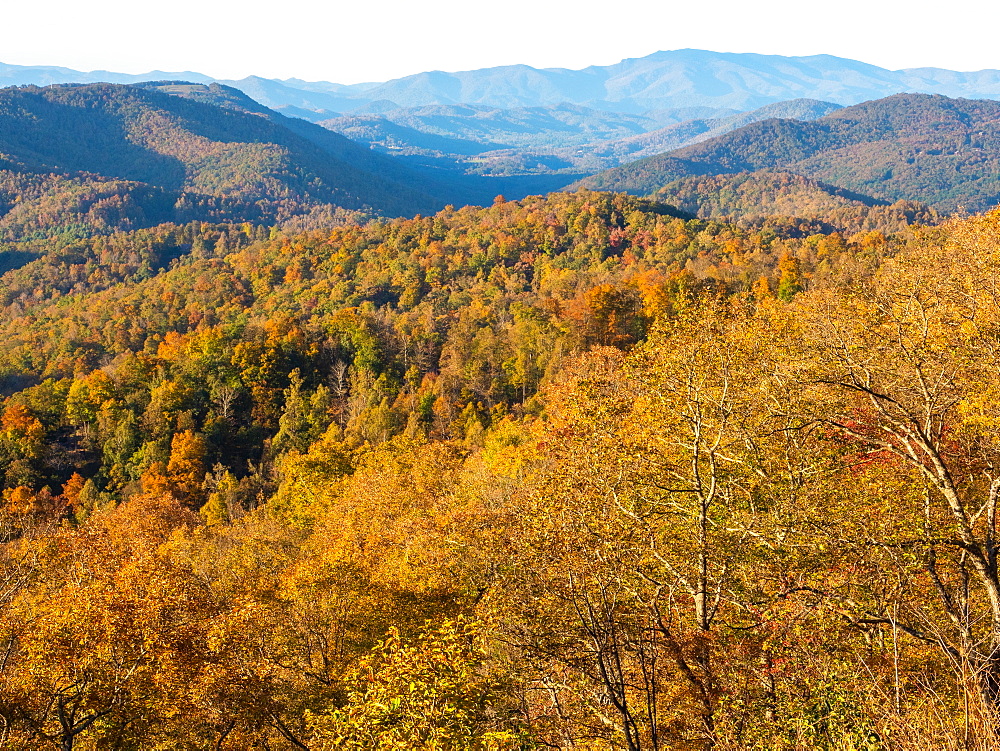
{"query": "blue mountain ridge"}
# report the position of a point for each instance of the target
(662, 80)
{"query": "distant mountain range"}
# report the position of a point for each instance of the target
(664, 80)
(533, 140)
(677, 125)
(597, 156)
(541, 127)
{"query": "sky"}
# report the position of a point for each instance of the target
(376, 40)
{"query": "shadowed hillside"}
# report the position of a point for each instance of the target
(238, 161)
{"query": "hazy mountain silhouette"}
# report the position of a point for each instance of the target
(662, 80)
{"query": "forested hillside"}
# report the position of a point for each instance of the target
(942, 152)
(235, 162)
(80, 160)
(576, 471)
(761, 196)
(467, 310)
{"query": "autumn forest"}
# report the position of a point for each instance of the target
(709, 464)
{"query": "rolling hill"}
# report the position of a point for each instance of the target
(238, 161)
(941, 151)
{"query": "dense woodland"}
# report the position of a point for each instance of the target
(576, 472)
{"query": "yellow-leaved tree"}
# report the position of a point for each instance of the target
(432, 692)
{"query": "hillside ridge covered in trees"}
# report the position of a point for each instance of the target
(943, 152)
(571, 470)
(184, 146)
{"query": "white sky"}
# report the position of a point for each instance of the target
(374, 40)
